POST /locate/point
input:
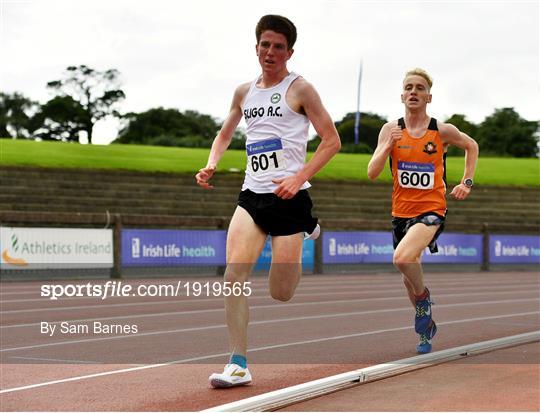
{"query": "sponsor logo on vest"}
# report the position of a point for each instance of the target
(430, 148)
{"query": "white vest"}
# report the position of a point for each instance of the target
(276, 137)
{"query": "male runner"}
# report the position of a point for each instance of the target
(277, 107)
(416, 145)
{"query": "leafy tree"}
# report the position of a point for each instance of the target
(507, 133)
(368, 131)
(4, 115)
(16, 111)
(459, 121)
(96, 92)
(61, 118)
(238, 140)
(172, 127)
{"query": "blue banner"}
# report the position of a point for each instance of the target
(514, 249)
(146, 247)
(377, 247)
(357, 247)
(308, 253)
(456, 249)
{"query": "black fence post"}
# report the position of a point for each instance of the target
(117, 247)
(485, 247)
(221, 268)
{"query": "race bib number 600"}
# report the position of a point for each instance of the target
(265, 156)
(416, 175)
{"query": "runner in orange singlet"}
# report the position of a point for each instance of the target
(416, 146)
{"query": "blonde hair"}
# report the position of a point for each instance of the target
(422, 73)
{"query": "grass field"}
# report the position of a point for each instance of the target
(491, 171)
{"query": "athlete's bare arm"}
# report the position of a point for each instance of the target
(389, 134)
(304, 98)
(451, 135)
(224, 136)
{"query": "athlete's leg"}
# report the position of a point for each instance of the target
(245, 241)
(407, 259)
(410, 290)
(286, 267)
(407, 256)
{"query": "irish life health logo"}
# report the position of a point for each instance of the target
(9, 254)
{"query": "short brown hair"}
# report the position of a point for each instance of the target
(422, 73)
(278, 24)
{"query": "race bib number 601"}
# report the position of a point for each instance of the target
(265, 156)
(416, 175)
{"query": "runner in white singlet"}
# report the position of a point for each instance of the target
(277, 107)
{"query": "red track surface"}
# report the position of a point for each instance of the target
(334, 324)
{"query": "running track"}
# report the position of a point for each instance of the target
(335, 323)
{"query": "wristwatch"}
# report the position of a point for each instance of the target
(469, 183)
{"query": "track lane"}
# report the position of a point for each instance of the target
(367, 348)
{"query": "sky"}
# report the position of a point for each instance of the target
(482, 55)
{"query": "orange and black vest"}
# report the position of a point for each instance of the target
(418, 168)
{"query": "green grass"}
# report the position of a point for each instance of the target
(490, 171)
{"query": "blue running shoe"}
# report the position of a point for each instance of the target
(424, 346)
(422, 319)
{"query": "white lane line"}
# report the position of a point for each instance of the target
(151, 366)
(508, 323)
(272, 321)
(57, 360)
(23, 287)
(281, 305)
(88, 376)
(212, 310)
(266, 296)
(318, 340)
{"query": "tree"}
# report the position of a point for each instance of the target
(96, 92)
(168, 127)
(507, 133)
(368, 131)
(459, 121)
(61, 118)
(16, 112)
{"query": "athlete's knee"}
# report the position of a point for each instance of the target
(403, 259)
(282, 294)
(237, 273)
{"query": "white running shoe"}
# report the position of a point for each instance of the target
(233, 375)
(315, 234)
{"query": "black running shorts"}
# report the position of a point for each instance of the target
(400, 226)
(277, 216)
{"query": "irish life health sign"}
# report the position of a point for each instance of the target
(146, 247)
(377, 247)
(514, 249)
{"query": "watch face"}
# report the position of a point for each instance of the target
(468, 182)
